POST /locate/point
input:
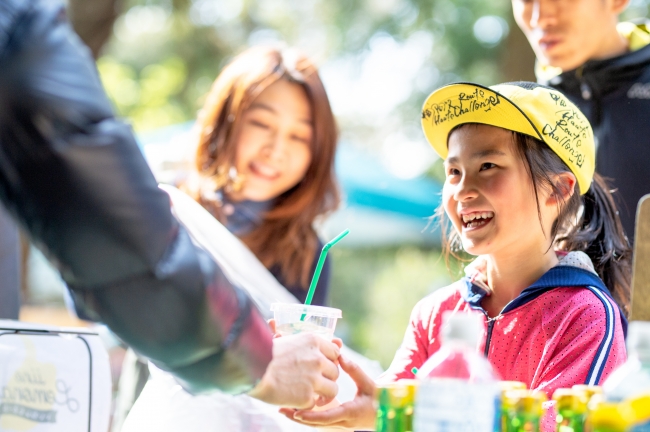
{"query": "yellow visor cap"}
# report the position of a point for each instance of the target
(524, 107)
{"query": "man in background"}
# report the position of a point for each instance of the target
(603, 66)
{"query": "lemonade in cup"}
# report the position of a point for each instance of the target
(294, 318)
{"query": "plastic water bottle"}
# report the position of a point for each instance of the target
(459, 390)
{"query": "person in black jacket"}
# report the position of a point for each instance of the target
(74, 178)
(603, 66)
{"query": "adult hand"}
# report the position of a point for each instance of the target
(359, 413)
(302, 373)
(271, 323)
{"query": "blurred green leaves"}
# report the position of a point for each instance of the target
(166, 52)
(377, 289)
(149, 97)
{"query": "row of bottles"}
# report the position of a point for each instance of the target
(458, 391)
(571, 406)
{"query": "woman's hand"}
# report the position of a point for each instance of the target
(359, 413)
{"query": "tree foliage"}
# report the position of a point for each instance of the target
(165, 53)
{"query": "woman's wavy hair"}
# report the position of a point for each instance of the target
(286, 238)
(588, 223)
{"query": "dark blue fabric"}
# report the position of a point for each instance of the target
(322, 288)
(558, 276)
(596, 370)
(246, 216)
(614, 94)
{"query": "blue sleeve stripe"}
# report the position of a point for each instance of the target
(598, 365)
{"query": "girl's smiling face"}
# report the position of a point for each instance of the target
(488, 193)
(274, 143)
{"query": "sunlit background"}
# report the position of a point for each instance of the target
(378, 60)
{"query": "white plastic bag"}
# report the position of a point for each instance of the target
(164, 406)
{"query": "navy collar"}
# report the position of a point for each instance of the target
(557, 277)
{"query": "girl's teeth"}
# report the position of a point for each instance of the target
(476, 219)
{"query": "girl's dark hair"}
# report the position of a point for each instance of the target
(587, 223)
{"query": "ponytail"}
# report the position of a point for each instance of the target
(599, 233)
(587, 223)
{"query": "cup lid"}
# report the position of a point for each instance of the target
(307, 309)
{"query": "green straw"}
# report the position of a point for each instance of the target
(319, 267)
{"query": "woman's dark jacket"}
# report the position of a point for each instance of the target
(244, 216)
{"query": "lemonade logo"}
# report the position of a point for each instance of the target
(31, 393)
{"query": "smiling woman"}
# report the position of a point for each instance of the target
(273, 147)
(264, 161)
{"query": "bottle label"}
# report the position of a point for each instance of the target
(451, 405)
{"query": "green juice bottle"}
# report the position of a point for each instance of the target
(508, 404)
(395, 403)
(571, 409)
(527, 413)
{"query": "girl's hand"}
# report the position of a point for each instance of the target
(271, 323)
(359, 413)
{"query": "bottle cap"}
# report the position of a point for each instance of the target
(462, 327)
(585, 392)
(564, 398)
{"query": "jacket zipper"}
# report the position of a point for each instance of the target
(490, 327)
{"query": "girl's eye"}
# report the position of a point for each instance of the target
(486, 166)
(452, 172)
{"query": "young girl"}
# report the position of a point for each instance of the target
(521, 195)
(264, 163)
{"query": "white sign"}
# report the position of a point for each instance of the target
(53, 382)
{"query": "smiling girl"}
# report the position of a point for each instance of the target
(264, 162)
(521, 195)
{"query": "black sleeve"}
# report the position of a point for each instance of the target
(74, 178)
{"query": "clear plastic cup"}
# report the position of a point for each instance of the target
(317, 319)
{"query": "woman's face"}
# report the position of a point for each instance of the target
(274, 143)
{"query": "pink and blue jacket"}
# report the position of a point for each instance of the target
(565, 329)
